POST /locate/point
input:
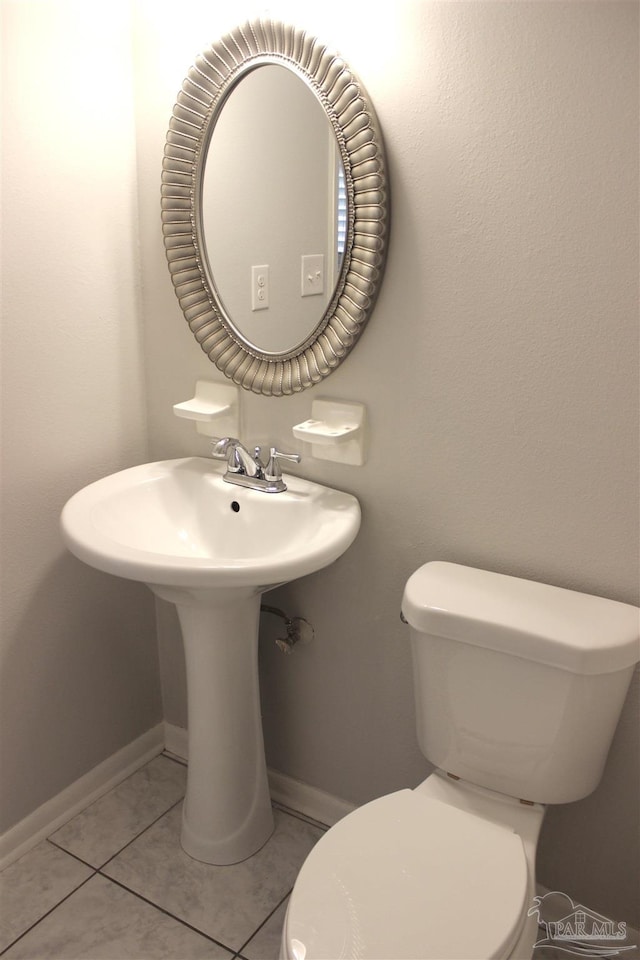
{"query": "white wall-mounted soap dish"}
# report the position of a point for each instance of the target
(215, 409)
(335, 431)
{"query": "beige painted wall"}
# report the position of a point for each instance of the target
(78, 656)
(500, 370)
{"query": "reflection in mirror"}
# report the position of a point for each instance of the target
(271, 189)
(274, 207)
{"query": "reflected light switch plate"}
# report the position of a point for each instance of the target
(312, 275)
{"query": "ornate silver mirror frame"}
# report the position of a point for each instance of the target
(359, 139)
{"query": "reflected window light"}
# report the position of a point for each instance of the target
(341, 212)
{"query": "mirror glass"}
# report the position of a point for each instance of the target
(274, 206)
(271, 191)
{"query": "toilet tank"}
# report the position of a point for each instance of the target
(518, 685)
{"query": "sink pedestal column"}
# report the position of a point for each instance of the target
(227, 812)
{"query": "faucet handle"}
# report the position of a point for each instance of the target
(272, 470)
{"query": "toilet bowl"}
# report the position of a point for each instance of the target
(508, 674)
(445, 871)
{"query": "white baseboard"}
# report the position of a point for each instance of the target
(40, 824)
(295, 794)
(312, 802)
(176, 741)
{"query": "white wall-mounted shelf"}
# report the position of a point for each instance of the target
(336, 431)
(215, 408)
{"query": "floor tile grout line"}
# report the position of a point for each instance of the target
(70, 854)
(275, 804)
(167, 913)
(140, 834)
(121, 849)
(266, 920)
(103, 795)
(48, 913)
(177, 918)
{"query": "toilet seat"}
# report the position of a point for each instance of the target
(407, 876)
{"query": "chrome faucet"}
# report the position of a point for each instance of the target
(248, 470)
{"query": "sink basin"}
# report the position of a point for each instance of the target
(178, 523)
(212, 549)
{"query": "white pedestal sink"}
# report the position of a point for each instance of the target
(212, 549)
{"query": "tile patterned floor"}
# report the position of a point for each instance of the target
(114, 884)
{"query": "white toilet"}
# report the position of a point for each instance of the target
(518, 689)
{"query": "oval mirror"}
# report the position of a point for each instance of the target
(275, 207)
(293, 150)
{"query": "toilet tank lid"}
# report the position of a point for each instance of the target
(551, 625)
